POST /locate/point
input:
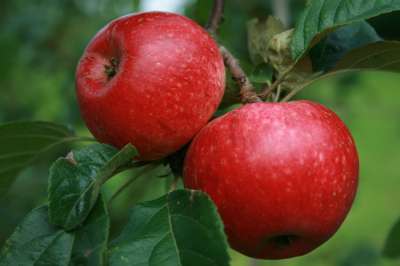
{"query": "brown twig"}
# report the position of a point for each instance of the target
(247, 92)
(215, 17)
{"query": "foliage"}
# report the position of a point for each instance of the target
(320, 16)
(22, 142)
(392, 246)
(37, 242)
(172, 230)
(75, 181)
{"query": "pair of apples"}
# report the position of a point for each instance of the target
(282, 175)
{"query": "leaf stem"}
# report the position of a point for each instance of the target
(278, 94)
(129, 182)
(174, 184)
(318, 76)
(268, 90)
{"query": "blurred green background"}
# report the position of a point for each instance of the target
(41, 42)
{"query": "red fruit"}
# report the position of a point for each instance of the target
(283, 175)
(152, 79)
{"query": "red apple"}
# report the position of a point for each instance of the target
(282, 175)
(152, 79)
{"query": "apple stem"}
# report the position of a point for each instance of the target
(247, 92)
(216, 17)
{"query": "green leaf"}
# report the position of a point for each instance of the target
(383, 55)
(380, 56)
(23, 142)
(322, 16)
(327, 53)
(181, 228)
(392, 245)
(91, 239)
(36, 242)
(291, 74)
(75, 181)
(136, 5)
(259, 33)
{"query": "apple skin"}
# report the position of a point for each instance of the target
(282, 175)
(152, 79)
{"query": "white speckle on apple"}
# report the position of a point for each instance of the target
(288, 171)
(321, 157)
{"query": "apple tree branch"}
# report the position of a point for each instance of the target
(247, 92)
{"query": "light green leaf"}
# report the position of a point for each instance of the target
(259, 33)
(322, 16)
(23, 142)
(182, 228)
(35, 242)
(75, 181)
(291, 74)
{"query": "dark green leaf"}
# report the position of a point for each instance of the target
(380, 56)
(327, 53)
(23, 142)
(91, 239)
(392, 245)
(375, 56)
(36, 242)
(75, 181)
(322, 16)
(181, 228)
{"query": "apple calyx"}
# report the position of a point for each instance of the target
(112, 68)
(282, 241)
